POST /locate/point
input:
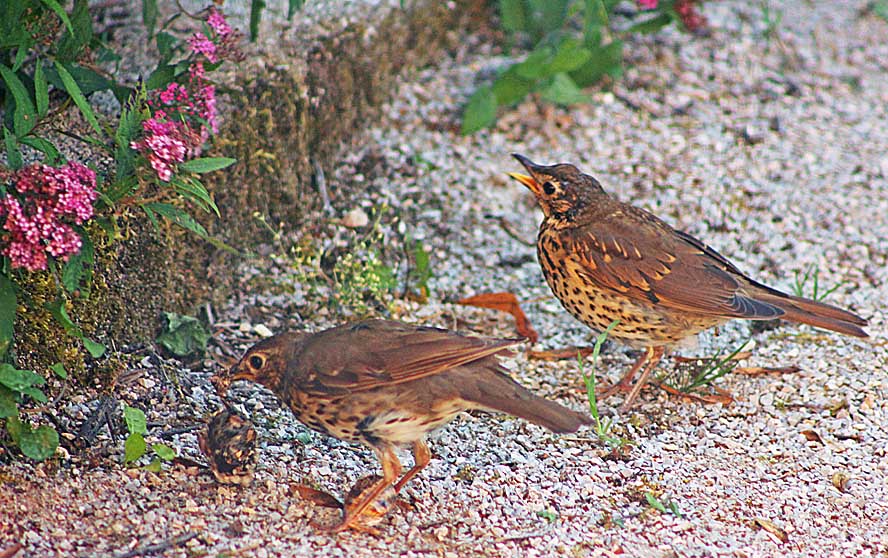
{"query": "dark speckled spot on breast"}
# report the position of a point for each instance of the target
(363, 428)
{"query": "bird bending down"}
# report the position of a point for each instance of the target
(386, 384)
(606, 260)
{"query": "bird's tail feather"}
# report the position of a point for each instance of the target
(495, 390)
(817, 314)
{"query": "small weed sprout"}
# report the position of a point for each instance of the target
(811, 274)
(714, 369)
(666, 506)
(772, 19)
(602, 425)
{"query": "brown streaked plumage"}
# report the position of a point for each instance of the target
(229, 444)
(386, 384)
(606, 260)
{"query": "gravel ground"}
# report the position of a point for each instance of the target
(774, 152)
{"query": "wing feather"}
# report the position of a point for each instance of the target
(655, 264)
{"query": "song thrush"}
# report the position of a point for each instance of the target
(606, 260)
(386, 384)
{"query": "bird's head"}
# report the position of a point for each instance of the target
(264, 363)
(561, 190)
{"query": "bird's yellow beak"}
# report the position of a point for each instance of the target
(529, 181)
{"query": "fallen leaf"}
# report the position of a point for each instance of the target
(739, 356)
(761, 370)
(720, 396)
(812, 436)
(316, 496)
(354, 219)
(11, 551)
(504, 302)
(766, 525)
(560, 354)
(840, 480)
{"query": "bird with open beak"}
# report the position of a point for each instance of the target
(608, 261)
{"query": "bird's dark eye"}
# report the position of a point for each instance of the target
(256, 362)
(548, 188)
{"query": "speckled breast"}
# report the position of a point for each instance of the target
(641, 324)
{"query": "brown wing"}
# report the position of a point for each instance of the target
(645, 259)
(375, 353)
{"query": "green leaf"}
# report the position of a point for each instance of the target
(149, 15)
(880, 8)
(607, 60)
(134, 447)
(78, 266)
(8, 407)
(77, 96)
(89, 81)
(183, 335)
(96, 349)
(536, 65)
(594, 20)
(256, 7)
(152, 217)
(60, 313)
(21, 54)
(651, 25)
(654, 503)
(25, 115)
(13, 154)
(512, 15)
(41, 89)
(38, 444)
(510, 88)
(131, 115)
(292, 7)
(166, 44)
(564, 91)
(40, 144)
(35, 394)
(72, 43)
(19, 380)
(195, 191)
(176, 215)
(162, 76)
(154, 466)
(8, 308)
(549, 15)
(14, 427)
(60, 370)
(121, 188)
(480, 112)
(207, 164)
(164, 451)
(569, 56)
(135, 420)
(57, 8)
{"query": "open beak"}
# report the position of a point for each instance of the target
(528, 180)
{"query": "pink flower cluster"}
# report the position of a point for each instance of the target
(165, 143)
(184, 114)
(223, 43)
(647, 4)
(689, 15)
(36, 211)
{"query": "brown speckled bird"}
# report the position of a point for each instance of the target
(386, 384)
(229, 444)
(606, 260)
